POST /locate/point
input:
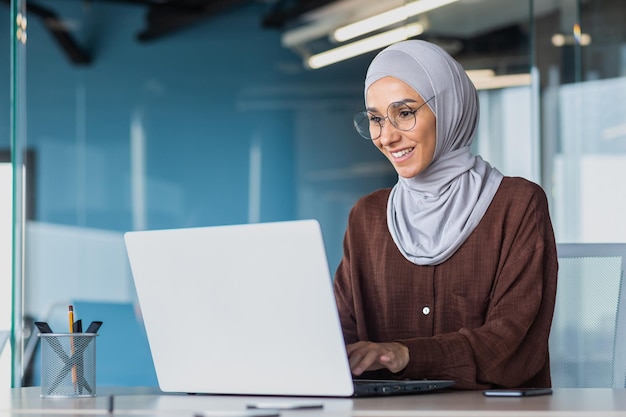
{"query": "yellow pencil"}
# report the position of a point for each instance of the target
(70, 315)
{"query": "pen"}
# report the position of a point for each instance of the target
(70, 315)
(93, 327)
(78, 326)
(285, 406)
(43, 327)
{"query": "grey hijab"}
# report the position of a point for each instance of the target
(430, 215)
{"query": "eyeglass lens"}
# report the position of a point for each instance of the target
(401, 115)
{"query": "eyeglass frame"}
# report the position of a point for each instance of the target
(382, 121)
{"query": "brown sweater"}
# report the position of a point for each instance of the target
(482, 317)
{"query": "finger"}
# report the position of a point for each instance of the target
(365, 361)
(388, 355)
(354, 346)
(386, 358)
(393, 359)
(355, 357)
(390, 361)
(357, 351)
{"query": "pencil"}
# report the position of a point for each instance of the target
(70, 315)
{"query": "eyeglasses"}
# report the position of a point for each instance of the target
(399, 113)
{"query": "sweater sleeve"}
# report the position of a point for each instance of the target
(344, 299)
(347, 290)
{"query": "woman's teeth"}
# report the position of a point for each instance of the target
(401, 153)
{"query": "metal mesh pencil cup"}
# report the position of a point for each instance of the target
(68, 365)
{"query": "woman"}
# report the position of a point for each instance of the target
(451, 274)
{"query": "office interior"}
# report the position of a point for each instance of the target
(134, 115)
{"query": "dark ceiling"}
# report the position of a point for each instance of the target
(166, 16)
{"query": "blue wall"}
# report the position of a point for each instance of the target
(203, 98)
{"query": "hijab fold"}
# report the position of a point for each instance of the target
(430, 215)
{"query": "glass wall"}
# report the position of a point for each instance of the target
(132, 126)
(6, 209)
(581, 55)
(12, 177)
(12, 149)
(581, 51)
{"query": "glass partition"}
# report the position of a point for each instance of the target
(582, 57)
(6, 208)
(13, 150)
(141, 122)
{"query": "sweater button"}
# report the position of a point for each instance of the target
(426, 311)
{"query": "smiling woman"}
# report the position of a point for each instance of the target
(446, 240)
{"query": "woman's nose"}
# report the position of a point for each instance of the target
(388, 133)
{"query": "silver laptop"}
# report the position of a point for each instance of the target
(245, 309)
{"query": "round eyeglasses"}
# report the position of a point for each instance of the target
(400, 114)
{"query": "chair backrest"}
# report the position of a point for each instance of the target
(588, 337)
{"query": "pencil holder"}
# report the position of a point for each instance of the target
(68, 365)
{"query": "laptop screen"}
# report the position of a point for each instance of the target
(242, 309)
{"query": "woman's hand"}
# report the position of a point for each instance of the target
(369, 356)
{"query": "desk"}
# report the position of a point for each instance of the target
(137, 401)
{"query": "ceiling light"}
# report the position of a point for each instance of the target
(387, 18)
(480, 74)
(301, 35)
(362, 46)
(559, 40)
(576, 38)
(486, 79)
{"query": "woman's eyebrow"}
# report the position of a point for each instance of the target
(403, 101)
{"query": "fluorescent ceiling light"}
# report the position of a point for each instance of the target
(387, 18)
(486, 79)
(365, 45)
(322, 21)
(480, 74)
(560, 40)
(577, 37)
(307, 33)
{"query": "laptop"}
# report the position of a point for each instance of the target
(246, 309)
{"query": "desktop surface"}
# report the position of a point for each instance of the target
(149, 401)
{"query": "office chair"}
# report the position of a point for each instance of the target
(588, 337)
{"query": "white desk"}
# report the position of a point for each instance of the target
(565, 402)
